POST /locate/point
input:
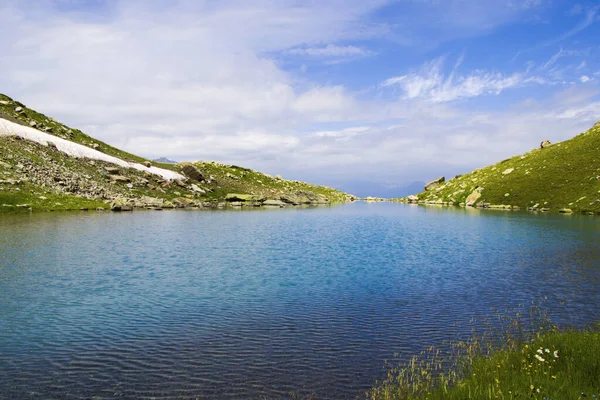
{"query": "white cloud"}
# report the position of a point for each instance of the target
(331, 51)
(432, 84)
(584, 78)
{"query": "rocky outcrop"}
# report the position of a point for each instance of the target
(473, 197)
(302, 197)
(244, 197)
(121, 204)
(273, 203)
(192, 172)
(435, 183)
(545, 143)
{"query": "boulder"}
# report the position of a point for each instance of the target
(147, 164)
(147, 201)
(120, 178)
(112, 170)
(196, 189)
(192, 172)
(508, 171)
(120, 204)
(273, 203)
(412, 199)
(435, 183)
(473, 197)
(244, 197)
(545, 143)
(565, 211)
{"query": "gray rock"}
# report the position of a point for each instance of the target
(192, 172)
(545, 143)
(147, 164)
(120, 178)
(435, 183)
(112, 170)
(196, 189)
(120, 204)
(274, 203)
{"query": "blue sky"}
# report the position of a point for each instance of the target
(332, 92)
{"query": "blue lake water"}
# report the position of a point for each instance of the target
(261, 304)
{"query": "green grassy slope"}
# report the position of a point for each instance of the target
(36, 177)
(565, 175)
(235, 179)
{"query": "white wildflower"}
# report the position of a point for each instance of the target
(555, 353)
(540, 358)
(540, 351)
(547, 350)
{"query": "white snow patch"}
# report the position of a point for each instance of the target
(8, 128)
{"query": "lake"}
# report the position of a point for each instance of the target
(261, 304)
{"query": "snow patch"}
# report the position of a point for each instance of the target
(8, 128)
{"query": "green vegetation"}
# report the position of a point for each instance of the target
(563, 176)
(545, 364)
(34, 177)
(29, 198)
(234, 179)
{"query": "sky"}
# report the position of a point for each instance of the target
(335, 92)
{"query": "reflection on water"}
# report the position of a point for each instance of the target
(249, 304)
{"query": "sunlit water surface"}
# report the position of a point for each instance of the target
(261, 304)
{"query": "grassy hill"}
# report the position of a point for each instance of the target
(35, 177)
(560, 177)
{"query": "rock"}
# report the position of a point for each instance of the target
(545, 143)
(147, 164)
(192, 172)
(244, 197)
(412, 199)
(99, 208)
(112, 170)
(147, 201)
(196, 189)
(182, 202)
(18, 109)
(508, 171)
(120, 204)
(32, 123)
(235, 204)
(95, 146)
(565, 211)
(473, 197)
(129, 185)
(273, 203)
(435, 183)
(120, 178)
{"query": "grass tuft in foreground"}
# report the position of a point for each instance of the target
(543, 363)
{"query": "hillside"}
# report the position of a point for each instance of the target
(561, 177)
(46, 165)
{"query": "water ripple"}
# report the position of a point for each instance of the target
(223, 305)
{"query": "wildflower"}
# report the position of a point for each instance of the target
(540, 351)
(555, 353)
(547, 350)
(540, 358)
(553, 377)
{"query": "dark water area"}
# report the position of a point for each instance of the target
(261, 304)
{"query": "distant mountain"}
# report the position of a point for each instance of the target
(562, 177)
(366, 189)
(165, 160)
